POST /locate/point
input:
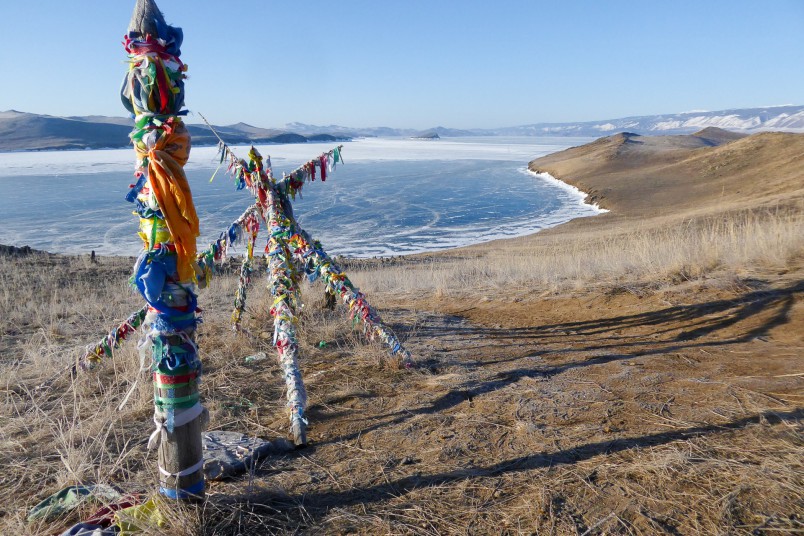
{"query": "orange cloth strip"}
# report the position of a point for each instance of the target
(172, 191)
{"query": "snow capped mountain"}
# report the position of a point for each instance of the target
(787, 121)
(790, 118)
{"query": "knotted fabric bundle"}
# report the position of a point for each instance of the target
(172, 191)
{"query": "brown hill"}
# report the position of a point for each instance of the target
(718, 136)
(31, 132)
(641, 176)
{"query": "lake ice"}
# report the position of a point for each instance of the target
(391, 197)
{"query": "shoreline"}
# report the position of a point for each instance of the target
(544, 175)
(533, 225)
(554, 168)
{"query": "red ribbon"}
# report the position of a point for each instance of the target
(173, 380)
(323, 161)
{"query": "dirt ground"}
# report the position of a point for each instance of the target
(616, 412)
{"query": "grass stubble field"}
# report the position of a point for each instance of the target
(639, 372)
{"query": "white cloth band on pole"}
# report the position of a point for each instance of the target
(190, 470)
(180, 419)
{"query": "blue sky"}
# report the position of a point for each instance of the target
(418, 63)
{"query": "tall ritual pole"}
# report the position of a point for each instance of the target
(165, 273)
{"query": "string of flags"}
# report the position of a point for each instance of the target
(110, 343)
(216, 253)
(319, 264)
(248, 225)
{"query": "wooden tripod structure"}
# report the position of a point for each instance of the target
(292, 253)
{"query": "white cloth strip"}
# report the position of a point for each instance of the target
(190, 470)
(179, 419)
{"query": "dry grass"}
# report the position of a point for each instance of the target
(653, 253)
(395, 452)
(57, 429)
(699, 486)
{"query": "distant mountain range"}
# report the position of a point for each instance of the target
(746, 120)
(21, 131)
(388, 132)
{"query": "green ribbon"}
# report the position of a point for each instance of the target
(177, 403)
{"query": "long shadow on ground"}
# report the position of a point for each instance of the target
(319, 503)
(700, 319)
(704, 320)
(733, 311)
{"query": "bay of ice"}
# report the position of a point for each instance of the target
(391, 197)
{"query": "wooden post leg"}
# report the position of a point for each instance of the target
(180, 451)
(297, 395)
(180, 419)
(154, 92)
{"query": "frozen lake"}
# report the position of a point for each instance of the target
(392, 196)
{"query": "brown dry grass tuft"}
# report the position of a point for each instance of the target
(727, 246)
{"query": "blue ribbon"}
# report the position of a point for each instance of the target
(150, 274)
(132, 194)
(186, 493)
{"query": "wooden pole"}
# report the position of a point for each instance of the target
(166, 271)
(283, 282)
